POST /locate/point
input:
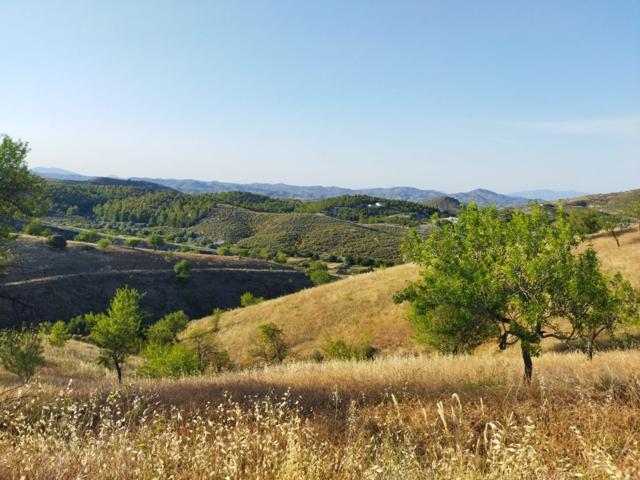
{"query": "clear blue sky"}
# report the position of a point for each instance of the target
(449, 95)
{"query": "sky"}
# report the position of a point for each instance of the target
(449, 95)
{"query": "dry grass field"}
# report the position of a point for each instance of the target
(360, 308)
(392, 418)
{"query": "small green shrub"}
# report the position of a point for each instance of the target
(165, 331)
(103, 244)
(133, 242)
(90, 236)
(269, 344)
(82, 324)
(182, 270)
(34, 227)
(169, 361)
(248, 298)
(21, 352)
(341, 350)
(318, 273)
(58, 335)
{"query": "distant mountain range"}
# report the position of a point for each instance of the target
(549, 195)
(281, 190)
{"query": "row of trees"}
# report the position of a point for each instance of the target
(515, 277)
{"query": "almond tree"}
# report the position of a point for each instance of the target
(493, 275)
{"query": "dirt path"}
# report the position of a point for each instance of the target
(136, 272)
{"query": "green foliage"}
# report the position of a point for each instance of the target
(594, 303)
(103, 244)
(21, 352)
(133, 242)
(157, 209)
(21, 192)
(56, 242)
(210, 354)
(82, 324)
(73, 210)
(318, 273)
(341, 350)
(59, 335)
(585, 221)
(247, 299)
(614, 223)
(85, 196)
(490, 276)
(169, 361)
(34, 227)
(165, 331)
(90, 236)
(117, 332)
(156, 241)
(182, 270)
(269, 345)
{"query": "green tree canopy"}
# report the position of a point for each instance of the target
(488, 276)
(21, 192)
(118, 331)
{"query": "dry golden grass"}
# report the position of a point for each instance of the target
(624, 259)
(358, 308)
(409, 418)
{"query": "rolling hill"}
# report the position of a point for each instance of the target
(46, 285)
(607, 202)
(302, 232)
(361, 308)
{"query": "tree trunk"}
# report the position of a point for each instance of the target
(118, 370)
(528, 364)
(615, 237)
(590, 347)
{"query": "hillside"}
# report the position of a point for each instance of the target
(361, 308)
(302, 232)
(608, 202)
(45, 285)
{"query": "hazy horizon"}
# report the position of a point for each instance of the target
(448, 96)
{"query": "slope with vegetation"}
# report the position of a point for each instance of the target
(47, 285)
(361, 309)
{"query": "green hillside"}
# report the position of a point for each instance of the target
(300, 232)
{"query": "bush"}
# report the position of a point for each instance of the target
(318, 273)
(165, 331)
(21, 352)
(56, 242)
(182, 270)
(58, 335)
(34, 227)
(156, 241)
(133, 242)
(103, 244)
(169, 361)
(210, 354)
(341, 350)
(247, 299)
(90, 236)
(269, 344)
(82, 324)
